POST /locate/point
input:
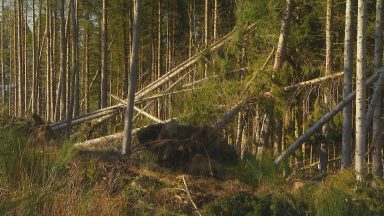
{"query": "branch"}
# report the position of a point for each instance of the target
(190, 198)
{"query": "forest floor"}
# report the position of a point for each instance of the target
(54, 179)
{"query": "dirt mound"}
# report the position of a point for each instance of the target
(186, 147)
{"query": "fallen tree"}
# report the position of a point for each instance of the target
(313, 81)
(324, 120)
(158, 83)
(221, 122)
(197, 150)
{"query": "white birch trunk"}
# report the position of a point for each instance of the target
(284, 31)
(361, 136)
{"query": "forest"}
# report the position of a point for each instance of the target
(191, 107)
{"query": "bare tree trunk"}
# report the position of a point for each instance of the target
(3, 83)
(34, 71)
(284, 31)
(76, 103)
(74, 66)
(104, 60)
(215, 19)
(15, 60)
(327, 97)
(347, 86)
(133, 79)
(86, 69)
(48, 61)
(126, 53)
(361, 136)
(377, 122)
(40, 41)
(190, 24)
(20, 63)
(25, 20)
(63, 63)
(206, 34)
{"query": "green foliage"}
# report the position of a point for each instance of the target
(251, 11)
(341, 194)
(256, 172)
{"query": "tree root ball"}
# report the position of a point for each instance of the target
(188, 148)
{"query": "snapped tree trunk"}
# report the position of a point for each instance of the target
(284, 31)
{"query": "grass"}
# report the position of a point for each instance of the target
(44, 179)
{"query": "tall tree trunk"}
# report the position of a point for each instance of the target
(3, 82)
(86, 70)
(328, 70)
(48, 61)
(215, 19)
(126, 52)
(76, 102)
(34, 71)
(206, 20)
(20, 62)
(361, 136)
(52, 64)
(284, 31)
(190, 22)
(38, 59)
(377, 122)
(63, 63)
(104, 60)
(74, 67)
(127, 139)
(25, 64)
(347, 86)
(15, 60)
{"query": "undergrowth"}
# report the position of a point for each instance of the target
(46, 179)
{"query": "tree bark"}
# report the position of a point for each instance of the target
(127, 139)
(361, 137)
(215, 19)
(74, 67)
(377, 122)
(34, 71)
(76, 102)
(104, 60)
(284, 31)
(3, 82)
(20, 62)
(347, 86)
(326, 96)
